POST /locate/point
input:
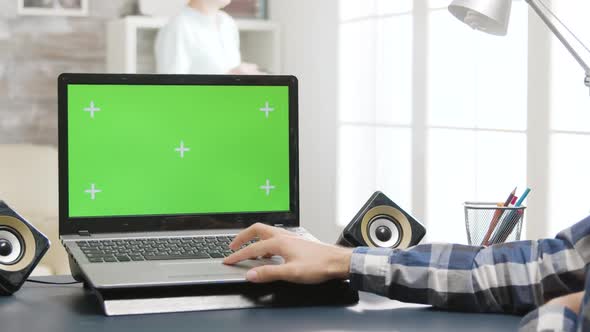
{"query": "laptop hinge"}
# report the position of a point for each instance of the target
(279, 225)
(84, 233)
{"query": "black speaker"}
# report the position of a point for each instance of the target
(21, 248)
(382, 224)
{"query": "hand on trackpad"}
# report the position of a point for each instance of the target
(192, 268)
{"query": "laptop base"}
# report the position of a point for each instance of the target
(220, 296)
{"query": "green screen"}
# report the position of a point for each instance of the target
(172, 149)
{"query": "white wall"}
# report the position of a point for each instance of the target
(310, 52)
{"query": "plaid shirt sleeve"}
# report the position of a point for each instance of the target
(553, 317)
(550, 317)
(514, 277)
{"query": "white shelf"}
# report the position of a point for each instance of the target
(260, 43)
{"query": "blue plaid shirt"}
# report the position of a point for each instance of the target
(516, 278)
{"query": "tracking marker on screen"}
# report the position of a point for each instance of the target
(267, 187)
(267, 109)
(182, 149)
(92, 109)
(92, 191)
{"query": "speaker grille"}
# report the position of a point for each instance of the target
(15, 243)
(28, 247)
(384, 232)
(390, 213)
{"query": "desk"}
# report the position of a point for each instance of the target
(71, 308)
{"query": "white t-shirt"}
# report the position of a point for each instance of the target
(193, 43)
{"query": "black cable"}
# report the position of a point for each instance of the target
(53, 283)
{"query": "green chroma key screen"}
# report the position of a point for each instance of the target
(177, 149)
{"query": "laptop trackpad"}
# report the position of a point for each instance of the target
(192, 269)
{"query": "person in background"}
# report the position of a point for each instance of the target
(201, 39)
(546, 279)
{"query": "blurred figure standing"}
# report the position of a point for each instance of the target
(202, 39)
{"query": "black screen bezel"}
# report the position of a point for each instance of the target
(149, 223)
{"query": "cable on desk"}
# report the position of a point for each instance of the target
(53, 283)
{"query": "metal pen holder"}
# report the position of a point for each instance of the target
(487, 223)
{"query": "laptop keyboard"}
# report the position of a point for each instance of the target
(154, 249)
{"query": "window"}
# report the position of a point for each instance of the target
(569, 124)
(465, 139)
(375, 103)
(476, 118)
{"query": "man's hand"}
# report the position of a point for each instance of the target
(571, 301)
(306, 262)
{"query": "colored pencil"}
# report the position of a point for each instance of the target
(497, 216)
(511, 221)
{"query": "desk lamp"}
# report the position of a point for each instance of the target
(492, 16)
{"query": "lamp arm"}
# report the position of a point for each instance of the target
(561, 38)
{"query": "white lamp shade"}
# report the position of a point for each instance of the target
(491, 16)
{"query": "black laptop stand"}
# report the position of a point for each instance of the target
(166, 299)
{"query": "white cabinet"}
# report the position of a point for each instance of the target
(130, 44)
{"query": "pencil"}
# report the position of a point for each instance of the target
(493, 223)
(513, 218)
(497, 217)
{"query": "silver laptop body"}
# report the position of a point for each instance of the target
(92, 237)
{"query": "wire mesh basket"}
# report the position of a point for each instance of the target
(488, 223)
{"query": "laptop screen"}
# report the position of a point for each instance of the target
(177, 149)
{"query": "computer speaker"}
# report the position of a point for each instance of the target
(21, 248)
(382, 224)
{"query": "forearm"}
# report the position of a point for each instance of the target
(514, 277)
(427, 274)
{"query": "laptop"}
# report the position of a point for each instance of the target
(158, 173)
